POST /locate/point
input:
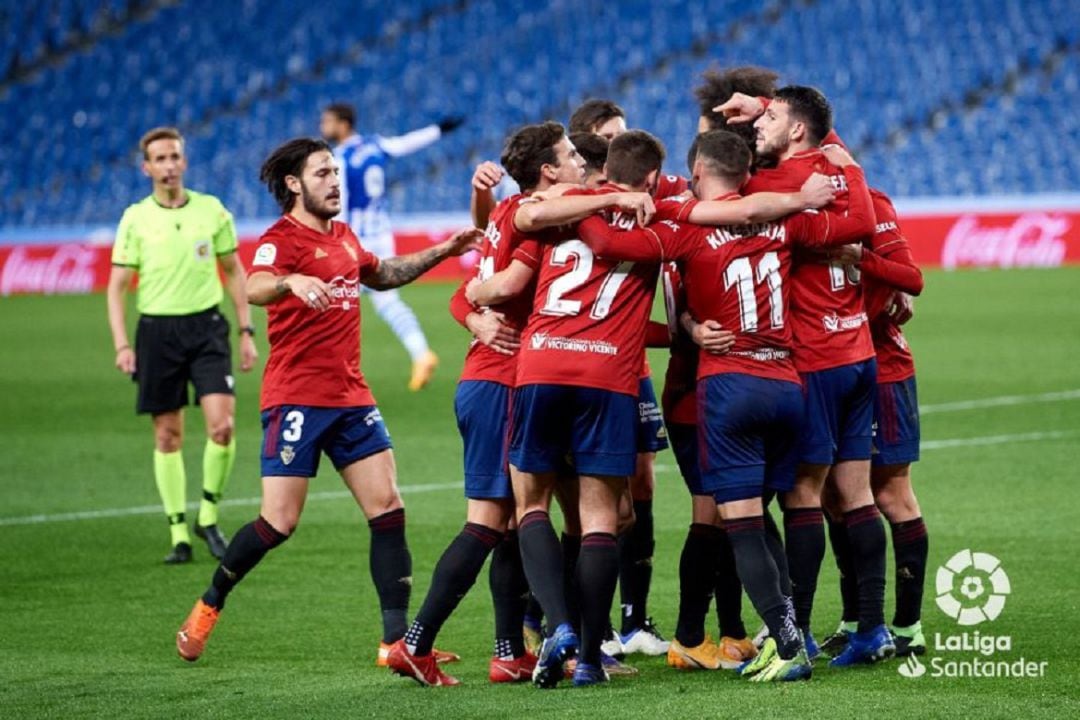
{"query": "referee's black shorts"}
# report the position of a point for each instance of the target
(173, 350)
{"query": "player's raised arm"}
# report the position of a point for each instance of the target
(403, 269)
(482, 198)
(419, 139)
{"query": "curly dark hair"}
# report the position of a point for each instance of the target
(288, 159)
(594, 112)
(717, 87)
(529, 149)
(632, 156)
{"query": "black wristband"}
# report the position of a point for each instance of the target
(248, 330)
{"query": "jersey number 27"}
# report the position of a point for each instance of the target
(578, 253)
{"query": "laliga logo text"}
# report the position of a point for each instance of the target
(971, 589)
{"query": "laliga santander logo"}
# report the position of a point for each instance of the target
(912, 668)
(972, 587)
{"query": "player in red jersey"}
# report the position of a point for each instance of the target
(888, 269)
(578, 355)
(307, 271)
(537, 157)
(835, 356)
(749, 399)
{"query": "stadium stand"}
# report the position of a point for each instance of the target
(984, 80)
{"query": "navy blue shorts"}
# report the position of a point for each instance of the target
(839, 413)
(684, 443)
(295, 435)
(896, 423)
(596, 429)
(482, 409)
(748, 435)
(651, 436)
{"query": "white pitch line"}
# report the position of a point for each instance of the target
(434, 487)
(998, 439)
(156, 509)
(1001, 401)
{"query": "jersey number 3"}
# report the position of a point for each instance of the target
(578, 253)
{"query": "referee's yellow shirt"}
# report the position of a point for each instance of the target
(175, 252)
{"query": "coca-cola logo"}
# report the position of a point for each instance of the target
(1031, 240)
(64, 269)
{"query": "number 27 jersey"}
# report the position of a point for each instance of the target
(587, 326)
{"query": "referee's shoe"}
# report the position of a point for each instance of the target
(216, 541)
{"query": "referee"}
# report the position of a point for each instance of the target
(171, 239)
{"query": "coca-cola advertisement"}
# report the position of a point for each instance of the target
(1011, 240)
(946, 238)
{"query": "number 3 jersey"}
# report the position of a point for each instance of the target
(314, 354)
(587, 326)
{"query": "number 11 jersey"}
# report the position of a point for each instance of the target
(587, 327)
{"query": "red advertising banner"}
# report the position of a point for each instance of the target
(978, 239)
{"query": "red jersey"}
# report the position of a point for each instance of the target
(588, 322)
(315, 355)
(887, 266)
(669, 186)
(828, 318)
(739, 275)
(679, 398)
(502, 243)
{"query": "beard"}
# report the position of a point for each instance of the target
(319, 209)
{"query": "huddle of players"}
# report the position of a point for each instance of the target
(778, 400)
(548, 401)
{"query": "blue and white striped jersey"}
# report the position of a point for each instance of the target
(363, 172)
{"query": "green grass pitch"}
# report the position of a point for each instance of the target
(88, 612)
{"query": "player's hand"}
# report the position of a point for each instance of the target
(248, 352)
(490, 328)
(125, 360)
(817, 192)
(486, 176)
(711, 337)
(556, 190)
(740, 108)
(639, 203)
(450, 123)
(901, 308)
(847, 254)
(463, 241)
(838, 156)
(312, 291)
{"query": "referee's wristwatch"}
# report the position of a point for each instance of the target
(248, 330)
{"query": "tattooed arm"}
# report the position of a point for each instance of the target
(403, 269)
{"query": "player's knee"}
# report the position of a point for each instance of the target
(896, 501)
(384, 503)
(167, 438)
(221, 432)
(284, 520)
